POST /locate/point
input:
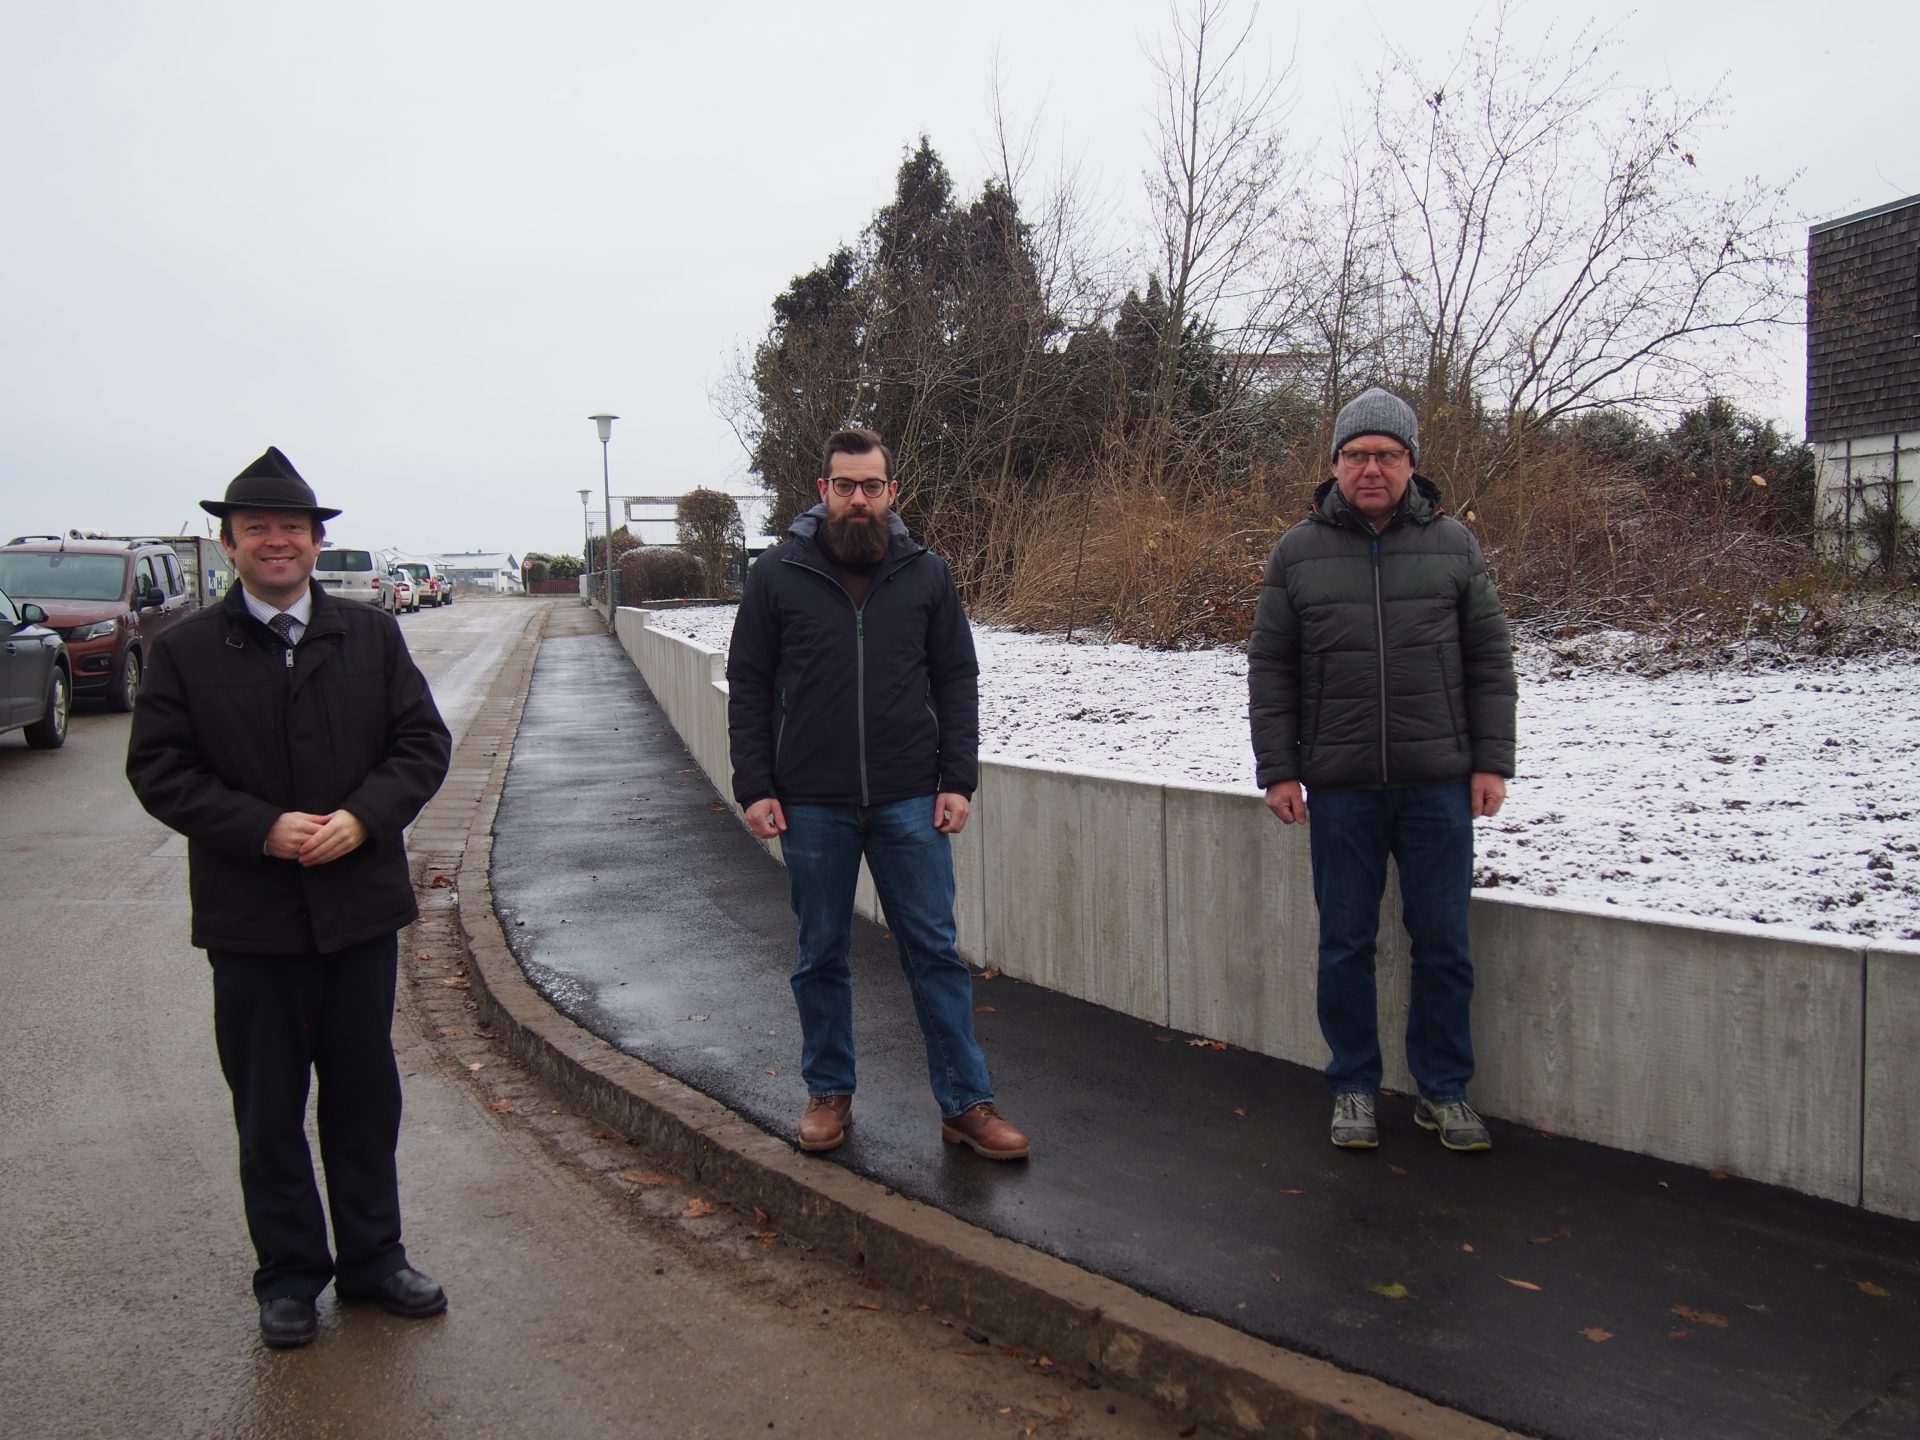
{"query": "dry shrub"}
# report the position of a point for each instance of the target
(1128, 560)
(1574, 544)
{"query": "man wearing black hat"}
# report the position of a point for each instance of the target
(1380, 674)
(291, 739)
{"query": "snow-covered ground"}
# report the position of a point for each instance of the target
(1786, 796)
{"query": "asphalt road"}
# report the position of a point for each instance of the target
(591, 1293)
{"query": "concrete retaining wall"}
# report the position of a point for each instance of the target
(1778, 1056)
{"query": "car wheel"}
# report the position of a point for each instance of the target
(49, 732)
(124, 695)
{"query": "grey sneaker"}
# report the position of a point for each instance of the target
(1460, 1128)
(1353, 1125)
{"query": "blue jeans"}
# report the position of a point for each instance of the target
(1428, 829)
(912, 865)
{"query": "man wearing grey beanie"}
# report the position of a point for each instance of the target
(1382, 699)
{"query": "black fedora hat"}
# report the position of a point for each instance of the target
(269, 483)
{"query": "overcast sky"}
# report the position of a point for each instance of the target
(416, 244)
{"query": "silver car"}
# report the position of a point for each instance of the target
(36, 678)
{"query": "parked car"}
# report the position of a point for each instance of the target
(351, 574)
(427, 582)
(109, 599)
(36, 675)
(397, 594)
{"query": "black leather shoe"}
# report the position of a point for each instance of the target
(405, 1292)
(288, 1322)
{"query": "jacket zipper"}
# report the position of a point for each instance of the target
(860, 692)
(1380, 646)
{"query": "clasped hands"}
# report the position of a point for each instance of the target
(315, 839)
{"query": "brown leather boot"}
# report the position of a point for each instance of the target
(826, 1121)
(987, 1131)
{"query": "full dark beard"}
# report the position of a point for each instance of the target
(857, 544)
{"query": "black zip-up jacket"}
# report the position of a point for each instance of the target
(830, 703)
(1379, 660)
(229, 734)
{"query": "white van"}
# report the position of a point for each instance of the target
(349, 574)
(428, 588)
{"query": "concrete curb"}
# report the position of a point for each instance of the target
(1201, 1370)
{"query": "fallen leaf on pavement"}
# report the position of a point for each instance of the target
(696, 1209)
(1597, 1335)
(645, 1177)
(1519, 1284)
(441, 882)
(1241, 1111)
(423, 956)
(501, 1107)
(1678, 1334)
(760, 1217)
(1293, 1192)
(1559, 1234)
(1395, 1291)
(476, 1065)
(985, 1010)
(1867, 1287)
(867, 1305)
(1699, 1317)
(451, 1032)
(1398, 1169)
(456, 982)
(1467, 1248)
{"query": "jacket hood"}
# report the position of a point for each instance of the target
(1419, 506)
(808, 524)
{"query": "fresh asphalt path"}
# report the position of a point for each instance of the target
(1559, 1288)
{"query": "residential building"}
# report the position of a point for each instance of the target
(1863, 378)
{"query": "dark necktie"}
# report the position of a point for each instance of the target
(282, 625)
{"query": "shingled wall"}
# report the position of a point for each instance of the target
(1863, 324)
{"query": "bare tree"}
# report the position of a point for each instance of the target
(1550, 246)
(1221, 175)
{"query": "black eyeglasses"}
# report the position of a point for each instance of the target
(1358, 458)
(872, 489)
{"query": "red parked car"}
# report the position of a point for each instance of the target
(107, 598)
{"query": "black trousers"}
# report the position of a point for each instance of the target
(277, 1018)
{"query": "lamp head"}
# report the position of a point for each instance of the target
(604, 423)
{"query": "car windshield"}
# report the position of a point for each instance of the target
(416, 570)
(361, 560)
(54, 575)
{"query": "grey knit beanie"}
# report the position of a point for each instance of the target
(1375, 412)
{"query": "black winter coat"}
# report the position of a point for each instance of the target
(228, 736)
(1379, 660)
(833, 704)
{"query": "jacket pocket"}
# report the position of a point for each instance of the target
(1312, 710)
(1454, 695)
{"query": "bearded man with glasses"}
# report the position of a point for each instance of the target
(1382, 700)
(853, 722)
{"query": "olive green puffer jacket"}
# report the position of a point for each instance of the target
(1379, 660)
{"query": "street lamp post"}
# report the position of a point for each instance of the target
(605, 425)
(586, 541)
